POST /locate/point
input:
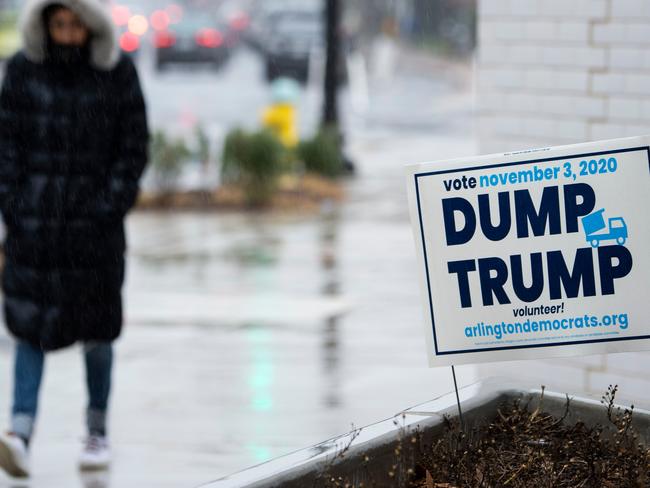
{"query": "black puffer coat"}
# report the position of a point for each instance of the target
(73, 145)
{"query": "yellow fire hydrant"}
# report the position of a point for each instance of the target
(280, 117)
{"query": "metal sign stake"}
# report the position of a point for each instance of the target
(460, 412)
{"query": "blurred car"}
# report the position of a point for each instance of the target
(291, 39)
(196, 38)
(258, 21)
(234, 15)
(261, 15)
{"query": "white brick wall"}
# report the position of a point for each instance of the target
(560, 9)
(630, 9)
(556, 72)
(561, 71)
(579, 375)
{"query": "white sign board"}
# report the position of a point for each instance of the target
(534, 253)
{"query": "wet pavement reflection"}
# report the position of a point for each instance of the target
(331, 288)
(249, 335)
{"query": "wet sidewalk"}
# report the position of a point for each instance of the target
(248, 336)
(251, 335)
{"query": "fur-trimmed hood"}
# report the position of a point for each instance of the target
(104, 49)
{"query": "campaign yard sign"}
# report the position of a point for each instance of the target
(534, 253)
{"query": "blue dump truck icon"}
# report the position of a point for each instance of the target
(596, 230)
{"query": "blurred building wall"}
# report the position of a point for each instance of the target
(561, 71)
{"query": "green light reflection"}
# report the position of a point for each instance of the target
(260, 379)
(260, 453)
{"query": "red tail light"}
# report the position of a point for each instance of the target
(129, 42)
(164, 39)
(209, 38)
(159, 20)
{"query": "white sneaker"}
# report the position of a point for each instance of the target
(96, 455)
(14, 458)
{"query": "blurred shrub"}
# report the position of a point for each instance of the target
(321, 154)
(253, 160)
(167, 158)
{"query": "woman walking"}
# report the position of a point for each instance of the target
(73, 146)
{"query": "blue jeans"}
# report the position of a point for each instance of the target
(28, 372)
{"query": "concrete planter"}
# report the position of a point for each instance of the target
(372, 453)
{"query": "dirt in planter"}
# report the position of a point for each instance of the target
(524, 449)
(305, 194)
